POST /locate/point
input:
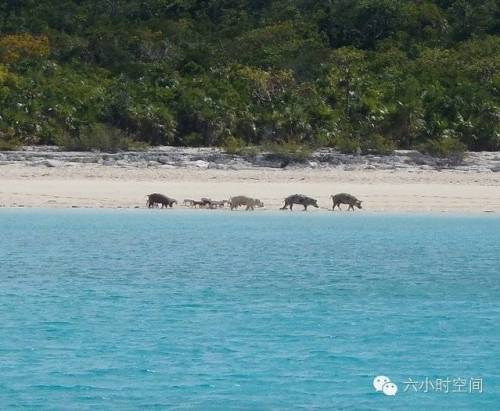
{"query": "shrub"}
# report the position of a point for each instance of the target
(347, 145)
(449, 148)
(233, 145)
(97, 137)
(9, 143)
(191, 140)
(250, 151)
(377, 144)
(135, 145)
(14, 47)
(289, 150)
(238, 146)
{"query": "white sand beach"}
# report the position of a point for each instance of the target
(92, 185)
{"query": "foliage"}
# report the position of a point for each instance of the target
(8, 143)
(15, 47)
(448, 148)
(233, 145)
(289, 150)
(348, 145)
(99, 137)
(377, 144)
(365, 76)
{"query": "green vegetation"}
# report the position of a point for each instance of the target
(8, 143)
(233, 145)
(448, 148)
(289, 150)
(363, 75)
(98, 137)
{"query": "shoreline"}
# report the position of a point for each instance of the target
(265, 211)
(384, 184)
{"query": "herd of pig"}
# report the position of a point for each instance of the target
(156, 200)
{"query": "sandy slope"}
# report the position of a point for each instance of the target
(381, 190)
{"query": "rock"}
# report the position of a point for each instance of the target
(212, 158)
(201, 164)
(86, 160)
(52, 163)
(217, 166)
(163, 160)
(263, 160)
(16, 157)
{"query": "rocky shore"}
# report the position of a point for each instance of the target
(213, 158)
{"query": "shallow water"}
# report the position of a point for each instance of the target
(196, 310)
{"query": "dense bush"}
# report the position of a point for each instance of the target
(377, 144)
(8, 143)
(233, 145)
(289, 150)
(364, 76)
(99, 137)
(347, 145)
(448, 148)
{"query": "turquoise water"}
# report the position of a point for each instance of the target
(168, 309)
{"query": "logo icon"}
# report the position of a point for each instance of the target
(384, 384)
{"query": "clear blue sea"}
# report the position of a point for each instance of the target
(166, 309)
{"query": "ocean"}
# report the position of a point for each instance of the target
(200, 310)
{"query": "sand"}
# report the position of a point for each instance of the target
(98, 186)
